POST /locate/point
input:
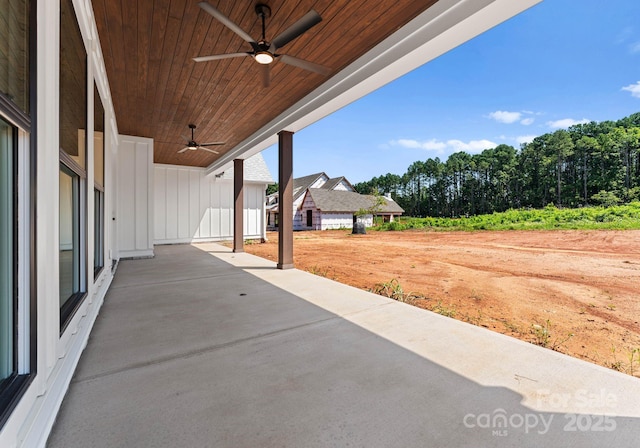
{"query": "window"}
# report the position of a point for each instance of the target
(69, 234)
(8, 293)
(73, 156)
(98, 176)
(309, 218)
(17, 251)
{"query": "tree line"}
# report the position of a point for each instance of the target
(586, 164)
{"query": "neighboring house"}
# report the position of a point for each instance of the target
(335, 209)
(191, 206)
(321, 203)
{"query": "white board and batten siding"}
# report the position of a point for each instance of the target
(191, 206)
(135, 197)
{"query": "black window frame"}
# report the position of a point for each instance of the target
(98, 231)
(14, 387)
(73, 303)
(7, 383)
(98, 191)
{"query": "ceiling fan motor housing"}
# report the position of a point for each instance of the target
(263, 10)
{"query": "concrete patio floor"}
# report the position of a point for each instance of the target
(201, 347)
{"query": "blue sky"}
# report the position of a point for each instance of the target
(556, 64)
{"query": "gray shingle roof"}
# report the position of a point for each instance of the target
(301, 184)
(255, 170)
(333, 183)
(348, 201)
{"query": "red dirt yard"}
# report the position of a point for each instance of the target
(519, 283)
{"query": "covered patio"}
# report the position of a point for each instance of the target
(201, 346)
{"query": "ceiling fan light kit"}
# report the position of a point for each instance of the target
(264, 57)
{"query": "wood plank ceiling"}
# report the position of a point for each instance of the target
(157, 88)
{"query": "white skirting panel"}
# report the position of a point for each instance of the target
(191, 206)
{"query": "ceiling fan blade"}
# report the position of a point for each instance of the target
(209, 150)
(305, 23)
(301, 63)
(266, 75)
(226, 21)
(212, 144)
(183, 150)
(216, 57)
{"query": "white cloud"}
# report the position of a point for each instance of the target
(503, 116)
(634, 89)
(429, 145)
(473, 146)
(634, 47)
(527, 121)
(565, 123)
(525, 139)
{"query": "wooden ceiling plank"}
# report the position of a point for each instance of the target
(159, 22)
(115, 54)
(130, 31)
(170, 42)
(229, 42)
(215, 81)
(145, 23)
(169, 61)
(183, 76)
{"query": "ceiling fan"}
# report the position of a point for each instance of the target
(264, 52)
(192, 145)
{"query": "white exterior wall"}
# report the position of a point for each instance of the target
(327, 221)
(191, 206)
(330, 221)
(300, 218)
(57, 354)
(366, 219)
(319, 182)
(308, 204)
(298, 221)
(135, 201)
(343, 186)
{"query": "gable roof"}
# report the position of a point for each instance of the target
(334, 182)
(348, 201)
(301, 184)
(255, 170)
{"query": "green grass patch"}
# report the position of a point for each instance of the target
(619, 217)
